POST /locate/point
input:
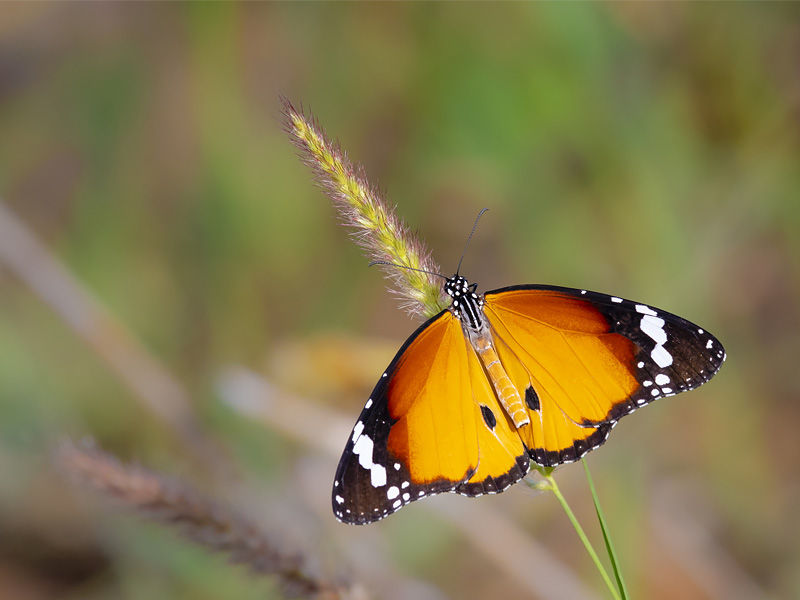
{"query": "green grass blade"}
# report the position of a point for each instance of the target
(550, 484)
(612, 555)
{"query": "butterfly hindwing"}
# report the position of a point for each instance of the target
(432, 424)
(502, 457)
(583, 360)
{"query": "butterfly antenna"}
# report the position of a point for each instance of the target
(474, 227)
(391, 264)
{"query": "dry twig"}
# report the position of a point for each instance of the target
(197, 518)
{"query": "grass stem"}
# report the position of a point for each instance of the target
(550, 484)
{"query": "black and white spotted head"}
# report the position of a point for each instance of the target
(467, 304)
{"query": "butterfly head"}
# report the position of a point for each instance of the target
(467, 303)
(457, 286)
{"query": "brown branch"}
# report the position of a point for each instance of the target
(205, 522)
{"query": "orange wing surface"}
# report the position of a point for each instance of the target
(581, 360)
(432, 424)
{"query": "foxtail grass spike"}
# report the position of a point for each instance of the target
(376, 226)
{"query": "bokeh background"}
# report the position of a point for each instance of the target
(648, 150)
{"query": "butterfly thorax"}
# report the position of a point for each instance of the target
(467, 305)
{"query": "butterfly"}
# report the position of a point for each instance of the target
(519, 375)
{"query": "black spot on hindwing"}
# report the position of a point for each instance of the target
(532, 398)
(488, 417)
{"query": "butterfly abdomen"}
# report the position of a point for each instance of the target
(507, 393)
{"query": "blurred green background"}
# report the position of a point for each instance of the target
(647, 150)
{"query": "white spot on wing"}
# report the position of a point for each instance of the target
(377, 475)
(363, 449)
(339, 499)
(357, 430)
(368, 404)
(615, 299)
(645, 310)
(661, 357)
(654, 328)
(662, 379)
(709, 343)
(392, 492)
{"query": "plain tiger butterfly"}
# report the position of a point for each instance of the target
(523, 373)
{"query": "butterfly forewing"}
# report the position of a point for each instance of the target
(585, 359)
(432, 424)
(371, 483)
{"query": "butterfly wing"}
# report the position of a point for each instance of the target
(432, 424)
(584, 360)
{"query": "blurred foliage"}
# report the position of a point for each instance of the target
(649, 150)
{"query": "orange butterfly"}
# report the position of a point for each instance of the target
(524, 373)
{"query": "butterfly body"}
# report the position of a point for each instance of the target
(467, 307)
(523, 374)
